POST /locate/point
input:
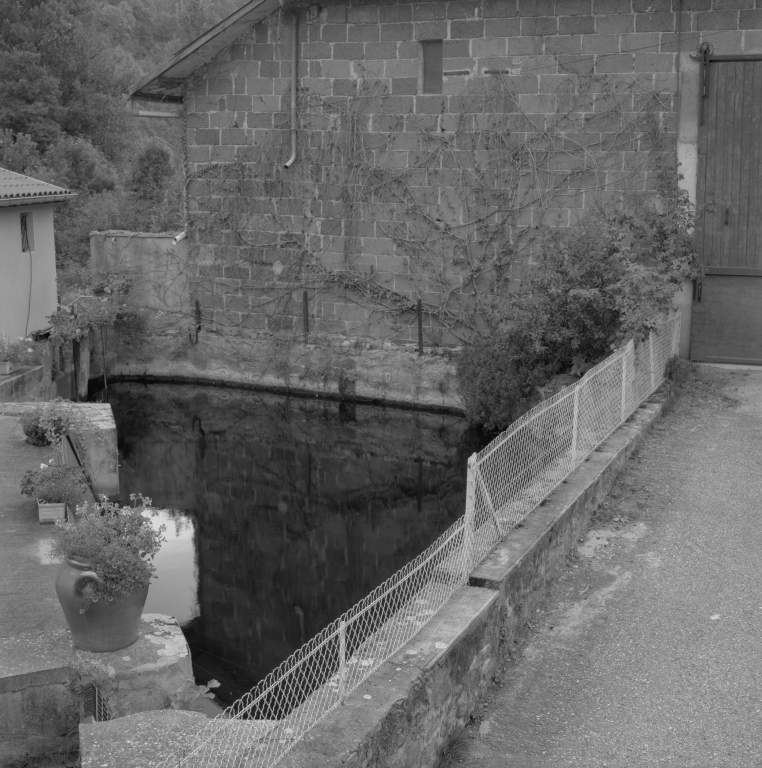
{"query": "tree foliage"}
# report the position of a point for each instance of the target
(608, 280)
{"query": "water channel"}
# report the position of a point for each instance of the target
(281, 512)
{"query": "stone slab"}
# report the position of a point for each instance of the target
(141, 740)
(34, 659)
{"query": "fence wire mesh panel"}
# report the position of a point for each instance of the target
(265, 724)
(506, 481)
(521, 466)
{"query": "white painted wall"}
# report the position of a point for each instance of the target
(27, 283)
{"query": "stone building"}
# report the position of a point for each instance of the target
(347, 159)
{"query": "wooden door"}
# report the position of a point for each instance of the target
(727, 312)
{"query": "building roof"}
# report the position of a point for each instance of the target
(165, 83)
(17, 189)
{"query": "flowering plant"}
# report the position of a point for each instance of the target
(118, 543)
(19, 350)
(55, 485)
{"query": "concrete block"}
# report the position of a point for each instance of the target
(401, 68)
(657, 6)
(576, 25)
(614, 64)
(397, 32)
(467, 29)
(429, 11)
(494, 46)
(431, 30)
(712, 20)
(206, 136)
(463, 9)
(538, 25)
(525, 46)
(352, 51)
(612, 6)
(395, 13)
(565, 44)
(537, 8)
(367, 14)
(655, 62)
(600, 43)
(655, 22)
(496, 9)
(333, 33)
(640, 42)
(751, 20)
(366, 33)
(381, 51)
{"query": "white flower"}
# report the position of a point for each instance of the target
(30, 349)
(43, 466)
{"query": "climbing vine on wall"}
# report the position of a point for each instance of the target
(449, 207)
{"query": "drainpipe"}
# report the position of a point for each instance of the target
(294, 62)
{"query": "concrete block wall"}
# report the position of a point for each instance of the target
(577, 70)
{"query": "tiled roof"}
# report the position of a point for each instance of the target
(166, 82)
(15, 188)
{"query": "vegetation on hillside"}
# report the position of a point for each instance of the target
(65, 69)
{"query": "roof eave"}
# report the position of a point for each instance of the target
(167, 81)
(9, 202)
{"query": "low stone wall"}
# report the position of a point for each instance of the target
(26, 384)
(41, 674)
(351, 369)
(405, 713)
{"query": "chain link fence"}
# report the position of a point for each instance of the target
(506, 480)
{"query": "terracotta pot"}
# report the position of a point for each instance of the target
(103, 626)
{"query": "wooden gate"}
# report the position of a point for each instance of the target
(727, 310)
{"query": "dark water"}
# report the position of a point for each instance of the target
(281, 512)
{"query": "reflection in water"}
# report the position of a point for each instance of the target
(175, 592)
(290, 510)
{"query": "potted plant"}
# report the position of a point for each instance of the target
(55, 488)
(103, 582)
(46, 423)
(16, 353)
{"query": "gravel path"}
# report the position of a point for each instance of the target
(649, 651)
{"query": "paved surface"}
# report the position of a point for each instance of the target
(649, 651)
(28, 600)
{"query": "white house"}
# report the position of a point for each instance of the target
(28, 294)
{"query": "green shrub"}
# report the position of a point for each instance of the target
(608, 280)
(677, 370)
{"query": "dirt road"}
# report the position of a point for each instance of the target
(649, 651)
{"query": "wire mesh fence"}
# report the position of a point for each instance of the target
(506, 480)
(520, 467)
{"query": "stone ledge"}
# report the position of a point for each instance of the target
(141, 740)
(22, 385)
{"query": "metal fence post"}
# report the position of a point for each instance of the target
(342, 657)
(651, 359)
(468, 518)
(624, 384)
(575, 424)
(676, 334)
